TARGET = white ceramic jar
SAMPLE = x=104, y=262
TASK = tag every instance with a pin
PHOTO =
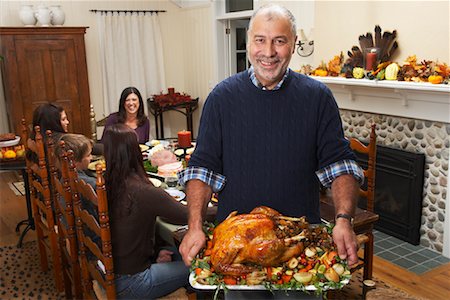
x=26, y=15
x=58, y=16
x=43, y=15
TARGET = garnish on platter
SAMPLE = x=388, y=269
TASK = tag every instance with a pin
x=266, y=250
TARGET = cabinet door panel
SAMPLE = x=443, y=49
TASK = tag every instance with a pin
x=49, y=76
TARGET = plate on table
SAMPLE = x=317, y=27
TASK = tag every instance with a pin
x=156, y=182
x=180, y=151
x=143, y=147
x=153, y=143
x=92, y=165
x=176, y=194
x=10, y=142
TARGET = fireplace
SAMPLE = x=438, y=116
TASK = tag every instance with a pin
x=398, y=192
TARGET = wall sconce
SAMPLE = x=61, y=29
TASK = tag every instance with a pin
x=305, y=46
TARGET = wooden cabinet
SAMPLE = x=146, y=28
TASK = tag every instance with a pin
x=45, y=64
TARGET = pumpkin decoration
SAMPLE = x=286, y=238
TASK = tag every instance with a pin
x=435, y=79
x=321, y=70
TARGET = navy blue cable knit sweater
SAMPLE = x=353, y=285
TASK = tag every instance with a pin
x=268, y=144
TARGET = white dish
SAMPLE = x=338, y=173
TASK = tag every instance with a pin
x=199, y=286
x=176, y=194
x=10, y=142
x=156, y=182
x=143, y=147
x=180, y=152
x=161, y=142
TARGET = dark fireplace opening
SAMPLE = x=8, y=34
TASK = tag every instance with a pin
x=398, y=192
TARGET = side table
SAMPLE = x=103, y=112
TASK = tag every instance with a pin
x=185, y=108
x=20, y=165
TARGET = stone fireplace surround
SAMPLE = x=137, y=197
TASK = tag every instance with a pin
x=414, y=117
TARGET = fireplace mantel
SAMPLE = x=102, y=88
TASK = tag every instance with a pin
x=423, y=101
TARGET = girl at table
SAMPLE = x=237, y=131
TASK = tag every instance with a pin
x=48, y=117
x=134, y=204
x=131, y=113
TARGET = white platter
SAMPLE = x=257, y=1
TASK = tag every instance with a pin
x=10, y=142
x=199, y=286
x=177, y=194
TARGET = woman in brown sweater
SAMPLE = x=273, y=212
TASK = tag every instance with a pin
x=134, y=204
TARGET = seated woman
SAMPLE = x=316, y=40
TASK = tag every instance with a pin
x=134, y=204
x=48, y=117
x=131, y=113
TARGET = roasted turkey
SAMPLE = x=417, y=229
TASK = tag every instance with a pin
x=263, y=237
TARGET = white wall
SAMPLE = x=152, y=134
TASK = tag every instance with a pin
x=422, y=26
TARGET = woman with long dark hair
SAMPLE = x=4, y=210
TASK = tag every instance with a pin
x=134, y=204
x=131, y=113
x=48, y=117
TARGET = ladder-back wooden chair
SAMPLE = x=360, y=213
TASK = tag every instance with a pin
x=65, y=219
x=364, y=217
x=41, y=203
x=94, y=235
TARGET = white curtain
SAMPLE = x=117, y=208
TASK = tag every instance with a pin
x=131, y=54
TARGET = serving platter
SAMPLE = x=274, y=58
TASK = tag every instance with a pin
x=10, y=142
x=193, y=282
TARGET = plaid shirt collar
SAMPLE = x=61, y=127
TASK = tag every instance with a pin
x=251, y=73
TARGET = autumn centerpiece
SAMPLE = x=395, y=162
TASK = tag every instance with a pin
x=171, y=98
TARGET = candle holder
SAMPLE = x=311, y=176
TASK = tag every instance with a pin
x=371, y=58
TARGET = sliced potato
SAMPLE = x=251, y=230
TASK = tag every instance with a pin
x=339, y=269
x=292, y=263
x=331, y=275
x=310, y=251
x=303, y=277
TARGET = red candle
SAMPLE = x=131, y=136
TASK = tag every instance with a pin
x=184, y=139
x=371, y=58
x=171, y=91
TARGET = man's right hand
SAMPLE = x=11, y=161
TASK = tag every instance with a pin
x=192, y=243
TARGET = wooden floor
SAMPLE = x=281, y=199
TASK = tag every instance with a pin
x=434, y=284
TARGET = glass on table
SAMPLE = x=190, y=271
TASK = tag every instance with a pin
x=171, y=181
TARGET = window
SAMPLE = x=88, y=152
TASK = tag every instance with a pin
x=238, y=46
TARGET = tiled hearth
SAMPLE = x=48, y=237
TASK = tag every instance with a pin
x=417, y=259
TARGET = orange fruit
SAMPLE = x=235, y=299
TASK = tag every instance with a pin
x=9, y=154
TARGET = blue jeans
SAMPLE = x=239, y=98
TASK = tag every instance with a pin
x=155, y=282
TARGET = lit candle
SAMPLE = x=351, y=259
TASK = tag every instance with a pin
x=171, y=91
x=371, y=58
x=184, y=139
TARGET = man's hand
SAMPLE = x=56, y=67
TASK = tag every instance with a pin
x=164, y=256
x=345, y=239
x=192, y=243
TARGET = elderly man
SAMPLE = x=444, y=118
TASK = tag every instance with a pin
x=267, y=136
